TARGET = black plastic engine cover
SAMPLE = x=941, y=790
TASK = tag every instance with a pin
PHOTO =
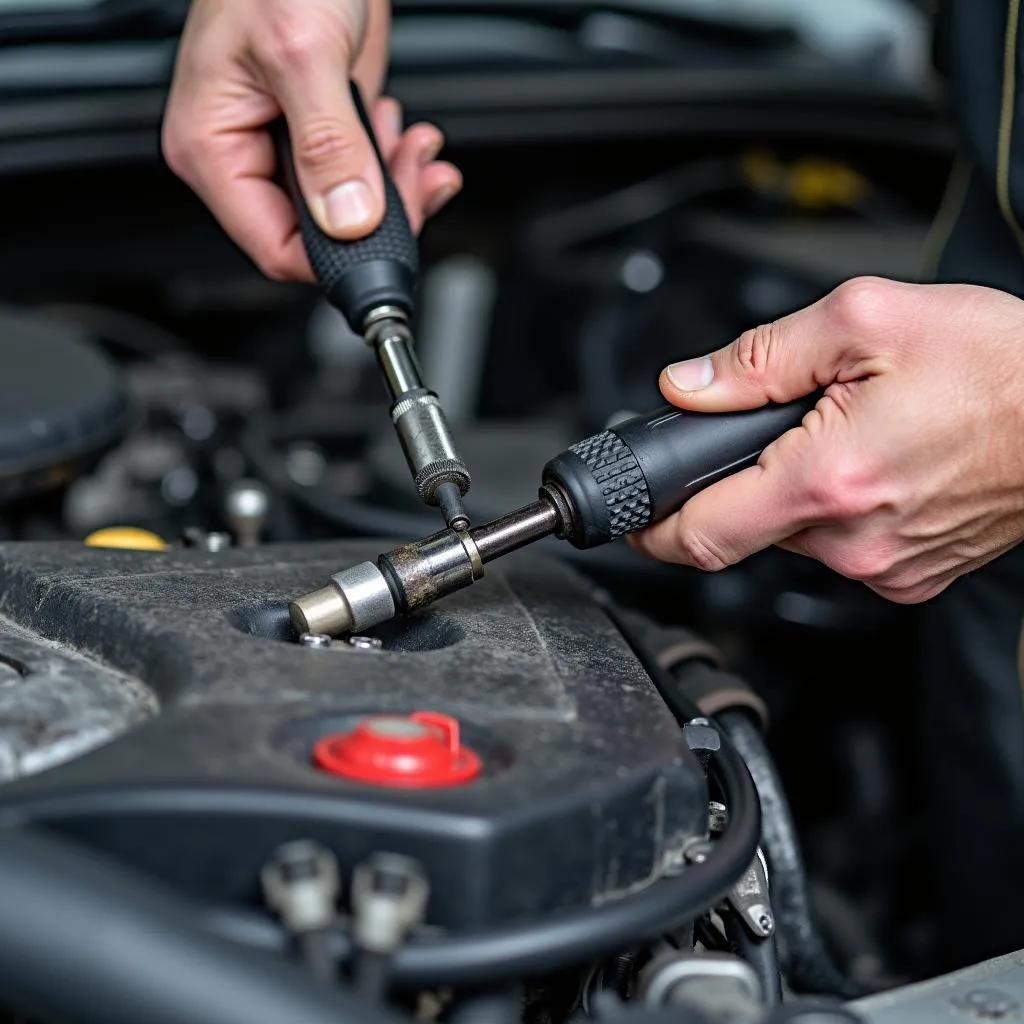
x=587, y=792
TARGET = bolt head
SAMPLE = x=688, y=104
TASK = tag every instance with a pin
x=365, y=643
x=247, y=499
x=315, y=640
x=987, y=1003
x=698, y=853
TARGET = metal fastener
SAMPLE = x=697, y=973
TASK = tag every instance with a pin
x=698, y=852
x=301, y=882
x=700, y=720
x=718, y=817
x=365, y=643
x=987, y=1003
x=317, y=640
x=212, y=542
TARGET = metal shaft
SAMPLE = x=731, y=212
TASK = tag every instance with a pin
x=516, y=530
x=440, y=475
x=415, y=575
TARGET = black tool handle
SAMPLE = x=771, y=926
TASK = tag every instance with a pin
x=358, y=277
x=644, y=469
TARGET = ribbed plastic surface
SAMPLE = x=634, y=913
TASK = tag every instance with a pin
x=620, y=479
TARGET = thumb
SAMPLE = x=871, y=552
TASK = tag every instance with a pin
x=780, y=361
x=337, y=167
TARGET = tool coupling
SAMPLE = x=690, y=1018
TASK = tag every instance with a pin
x=413, y=576
x=439, y=474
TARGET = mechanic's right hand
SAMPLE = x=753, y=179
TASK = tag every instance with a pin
x=910, y=471
x=241, y=64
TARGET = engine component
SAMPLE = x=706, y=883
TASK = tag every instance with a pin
x=600, y=489
x=62, y=404
x=372, y=282
x=586, y=793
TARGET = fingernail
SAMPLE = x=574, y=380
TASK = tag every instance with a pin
x=349, y=206
x=438, y=202
x=431, y=152
x=692, y=374
x=394, y=115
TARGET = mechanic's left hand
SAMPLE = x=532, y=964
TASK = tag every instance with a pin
x=910, y=470
x=242, y=64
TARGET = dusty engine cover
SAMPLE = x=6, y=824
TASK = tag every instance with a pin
x=143, y=716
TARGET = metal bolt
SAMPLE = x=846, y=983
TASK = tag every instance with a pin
x=389, y=897
x=365, y=643
x=718, y=817
x=987, y=1003
x=212, y=542
x=246, y=505
x=698, y=721
x=698, y=852
x=766, y=924
x=317, y=640
x=301, y=882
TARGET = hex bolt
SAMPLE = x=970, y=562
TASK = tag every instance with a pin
x=316, y=640
x=718, y=817
x=698, y=853
x=365, y=643
x=987, y=1004
x=301, y=883
x=212, y=542
x=389, y=898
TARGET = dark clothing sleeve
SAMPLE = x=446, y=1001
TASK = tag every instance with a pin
x=972, y=711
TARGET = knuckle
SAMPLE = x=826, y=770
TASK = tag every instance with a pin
x=864, y=564
x=909, y=593
x=176, y=148
x=324, y=143
x=698, y=551
x=755, y=351
x=292, y=41
x=862, y=305
x=275, y=267
x=843, y=491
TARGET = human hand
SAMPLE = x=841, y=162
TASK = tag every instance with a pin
x=910, y=470
x=241, y=64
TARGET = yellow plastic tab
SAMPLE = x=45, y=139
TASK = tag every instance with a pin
x=128, y=538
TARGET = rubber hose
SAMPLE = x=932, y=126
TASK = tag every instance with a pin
x=761, y=954
x=500, y=1007
x=515, y=951
x=806, y=960
x=85, y=940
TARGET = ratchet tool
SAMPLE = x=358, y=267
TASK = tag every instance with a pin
x=372, y=283
x=602, y=488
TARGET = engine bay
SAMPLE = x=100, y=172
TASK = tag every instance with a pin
x=592, y=785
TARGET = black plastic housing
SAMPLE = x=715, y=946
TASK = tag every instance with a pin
x=646, y=468
x=358, y=277
x=588, y=790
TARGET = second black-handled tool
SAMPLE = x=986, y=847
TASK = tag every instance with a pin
x=614, y=483
x=644, y=469
x=372, y=282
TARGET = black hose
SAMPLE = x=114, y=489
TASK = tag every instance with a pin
x=503, y=1006
x=761, y=954
x=806, y=960
x=514, y=951
x=84, y=940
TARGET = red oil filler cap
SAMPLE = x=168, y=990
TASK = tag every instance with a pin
x=418, y=751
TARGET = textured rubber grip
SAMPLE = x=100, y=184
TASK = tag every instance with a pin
x=646, y=468
x=620, y=480
x=358, y=277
